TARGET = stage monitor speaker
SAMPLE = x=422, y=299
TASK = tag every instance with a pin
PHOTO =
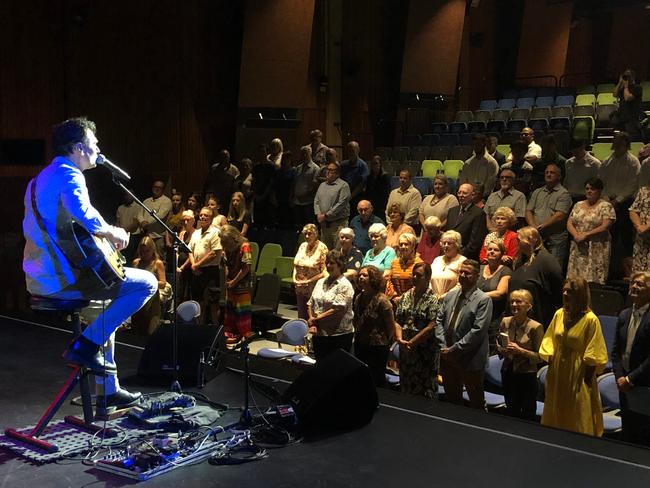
x=156, y=363
x=337, y=394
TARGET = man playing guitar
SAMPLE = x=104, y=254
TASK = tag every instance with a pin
x=57, y=196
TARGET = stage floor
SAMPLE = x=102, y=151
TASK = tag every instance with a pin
x=410, y=442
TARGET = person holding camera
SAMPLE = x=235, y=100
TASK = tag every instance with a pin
x=629, y=94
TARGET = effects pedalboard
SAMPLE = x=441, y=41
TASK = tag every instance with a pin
x=144, y=460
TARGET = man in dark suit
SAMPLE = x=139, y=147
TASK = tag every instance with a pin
x=631, y=358
x=462, y=336
x=468, y=220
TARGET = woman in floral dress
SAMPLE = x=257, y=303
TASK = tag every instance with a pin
x=640, y=217
x=589, y=225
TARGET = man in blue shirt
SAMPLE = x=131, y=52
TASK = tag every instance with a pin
x=55, y=197
x=361, y=223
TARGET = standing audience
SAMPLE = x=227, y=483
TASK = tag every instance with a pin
x=575, y=349
x=399, y=277
x=640, y=218
x=374, y=324
x=429, y=245
x=161, y=205
x=330, y=309
x=548, y=209
x=352, y=256
x=589, y=225
x=493, y=280
x=469, y=221
x=537, y=271
x=522, y=338
x=361, y=224
x=331, y=205
x=631, y=358
x=445, y=268
x=308, y=267
x=579, y=168
x=238, y=215
x=205, y=260
x=418, y=350
x=146, y=320
x=354, y=171
x=377, y=185
x=504, y=219
x=481, y=166
x=408, y=197
x=239, y=284
x=438, y=204
x=397, y=226
x=461, y=333
x=380, y=256
x=304, y=189
x=506, y=196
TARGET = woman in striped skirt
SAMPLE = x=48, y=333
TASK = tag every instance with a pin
x=237, y=320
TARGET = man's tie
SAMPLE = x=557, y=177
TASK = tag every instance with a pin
x=452, y=321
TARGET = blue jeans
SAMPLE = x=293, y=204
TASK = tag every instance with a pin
x=126, y=298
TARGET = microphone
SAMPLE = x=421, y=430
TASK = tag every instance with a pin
x=113, y=168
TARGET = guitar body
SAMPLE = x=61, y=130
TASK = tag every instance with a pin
x=98, y=255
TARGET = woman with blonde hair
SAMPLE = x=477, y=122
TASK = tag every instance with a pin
x=239, y=283
x=397, y=226
x=444, y=269
x=146, y=320
x=518, y=344
x=399, y=277
x=493, y=280
x=184, y=266
x=308, y=267
x=575, y=349
x=238, y=215
x=537, y=271
x=276, y=148
x=504, y=219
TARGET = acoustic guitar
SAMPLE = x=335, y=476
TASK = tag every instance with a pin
x=97, y=254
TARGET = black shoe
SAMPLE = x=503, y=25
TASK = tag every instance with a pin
x=85, y=353
x=117, y=401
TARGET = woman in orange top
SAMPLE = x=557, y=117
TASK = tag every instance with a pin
x=399, y=277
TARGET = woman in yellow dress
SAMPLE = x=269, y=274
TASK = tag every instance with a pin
x=575, y=350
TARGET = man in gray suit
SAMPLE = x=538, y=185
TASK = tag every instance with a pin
x=461, y=334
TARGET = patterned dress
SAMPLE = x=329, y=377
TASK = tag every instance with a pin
x=641, y=252
x=590, y=258
x=237, y=319
x=418, y=367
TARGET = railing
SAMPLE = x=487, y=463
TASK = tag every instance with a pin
x=543, y=80
x=583, y=78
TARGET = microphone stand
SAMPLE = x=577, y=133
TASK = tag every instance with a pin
x=177, y=244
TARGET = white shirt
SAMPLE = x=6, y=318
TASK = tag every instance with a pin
x=620, y=176
x=480, y=168
x=61, y=195
x=578, y=171
x=534, y=149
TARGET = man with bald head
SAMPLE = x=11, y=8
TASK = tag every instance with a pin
x=469, y=221
x=361, y=223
